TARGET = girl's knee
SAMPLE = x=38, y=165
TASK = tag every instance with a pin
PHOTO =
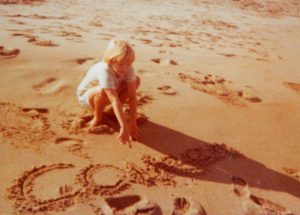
x=97, y=97
x=100, y=95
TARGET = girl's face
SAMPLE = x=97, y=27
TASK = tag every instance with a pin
x=121, y=68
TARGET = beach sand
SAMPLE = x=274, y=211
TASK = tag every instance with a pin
x=219, y=108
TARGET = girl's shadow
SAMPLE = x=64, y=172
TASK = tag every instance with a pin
x=221, y=161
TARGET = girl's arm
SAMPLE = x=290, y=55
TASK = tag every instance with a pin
x=131, y=90
x=124, y=133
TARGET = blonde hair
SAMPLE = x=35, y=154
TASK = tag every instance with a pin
x=119, y=51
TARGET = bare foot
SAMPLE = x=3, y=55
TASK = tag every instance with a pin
x=94, y=122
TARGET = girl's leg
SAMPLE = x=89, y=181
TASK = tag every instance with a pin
x=98, y=100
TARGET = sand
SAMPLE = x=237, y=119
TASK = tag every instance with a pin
x=219, y=108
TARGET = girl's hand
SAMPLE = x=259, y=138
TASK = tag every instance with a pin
x=134, y=132
x=124, y=136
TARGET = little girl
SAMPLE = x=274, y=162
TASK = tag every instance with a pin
x=113, y=81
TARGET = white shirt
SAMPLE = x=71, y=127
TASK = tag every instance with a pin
x=102, y=75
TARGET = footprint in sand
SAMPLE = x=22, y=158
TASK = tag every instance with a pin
x=164, y=61
x=165, y=52
x=8, y=53
x=131, y=204
x=101, y=129
x=75, y=146
x=35, y=109
x=68, y=141
x=167, y=90
x=128, y=204
x=262, y=55
x=50, y=85
x=145, y=41
x=96, y=23
x=16, y=22
x=143, y=98
x=293, y=86
x=83, y=60
x=73, y=36
x=73, y=126
x=292, y=172
x=219, y=88
x=253, y=204
x=107, y=36
x=81, y=124
x=206, y=155
x=227, y=55
x=24, y=125
x=150, y=73
x=28, y=2
x=184, y=207
x=42, y=42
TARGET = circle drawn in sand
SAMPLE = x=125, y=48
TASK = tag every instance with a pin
x=87, y=181
x=26, y=202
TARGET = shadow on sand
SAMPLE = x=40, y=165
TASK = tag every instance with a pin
x=219, y=162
